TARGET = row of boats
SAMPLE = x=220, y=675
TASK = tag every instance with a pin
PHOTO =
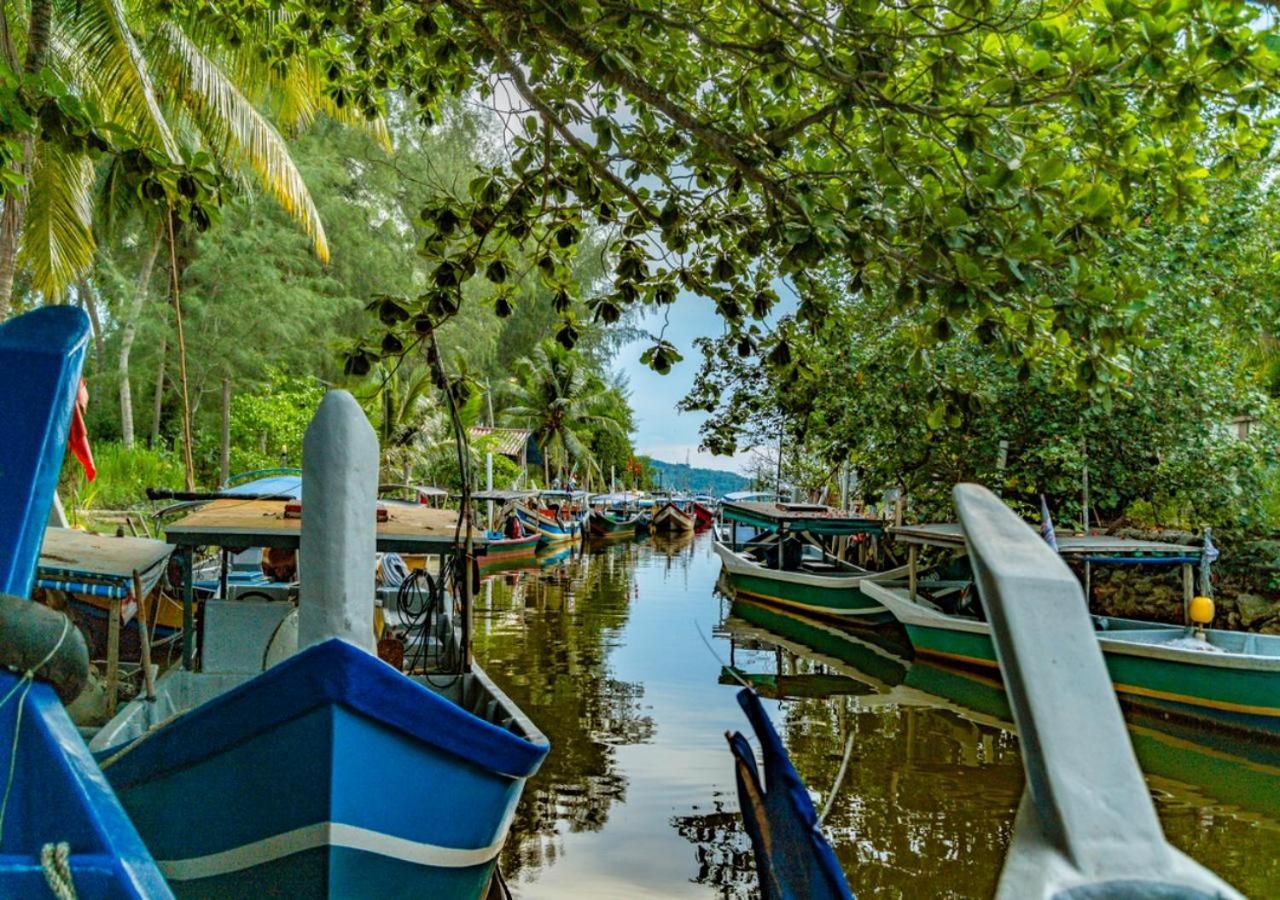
x=861, y=571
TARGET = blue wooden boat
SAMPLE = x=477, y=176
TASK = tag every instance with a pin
x=793, y=858
x=330, y=773
x=559, y=518
x=61, y=822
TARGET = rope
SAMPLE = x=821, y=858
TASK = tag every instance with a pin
x=55, y=861
x=28, y=678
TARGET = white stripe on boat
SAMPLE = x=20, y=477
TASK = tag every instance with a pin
x=326, y=834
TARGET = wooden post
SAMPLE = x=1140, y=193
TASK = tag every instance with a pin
x=144, y=638
x=913, y=555
x=113, y=656
x=188, y=611
x=1088, y=582
x=1188, y=591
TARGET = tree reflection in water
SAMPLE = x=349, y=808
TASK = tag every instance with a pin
x=546, y=637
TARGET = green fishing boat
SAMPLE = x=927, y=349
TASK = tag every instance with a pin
x=798, y=557
x=1222, y=679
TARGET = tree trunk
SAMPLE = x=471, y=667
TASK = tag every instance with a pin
x=127, y=335
x=157, y=400
x=15, y=203
x=90, y=304
x=176, y=297
x=224, y=466
x=546, y=471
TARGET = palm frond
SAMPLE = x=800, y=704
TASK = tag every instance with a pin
x=234, y=128
x=93, y=40
x=57, y=238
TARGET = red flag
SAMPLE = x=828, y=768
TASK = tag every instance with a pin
x=78, y=440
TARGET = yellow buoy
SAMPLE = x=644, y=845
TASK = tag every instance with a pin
x=1201, y=610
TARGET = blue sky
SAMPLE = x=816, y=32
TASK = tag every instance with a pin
x=662, y=432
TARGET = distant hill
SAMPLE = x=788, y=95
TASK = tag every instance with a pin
x=682, y=477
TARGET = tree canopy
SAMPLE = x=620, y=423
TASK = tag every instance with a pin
x=979, y=161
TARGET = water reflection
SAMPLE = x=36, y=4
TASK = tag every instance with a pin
x=607, y=651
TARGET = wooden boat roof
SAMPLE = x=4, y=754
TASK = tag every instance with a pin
x=261, y=523
x=68, y=554
x=499, y=496
x=949, y=534
x=810, y=517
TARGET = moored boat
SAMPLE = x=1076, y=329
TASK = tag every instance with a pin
x=704, y=515
x=791, y=568
x=606, y=524
x=1220, y=678
x=63, y=827
x=558, y=517
x=251, y=774
x=673, y=516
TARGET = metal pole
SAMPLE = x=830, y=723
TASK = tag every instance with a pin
x=488, y=483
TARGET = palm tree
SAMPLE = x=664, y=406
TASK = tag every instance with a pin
x=558, y=396
x=178, y=86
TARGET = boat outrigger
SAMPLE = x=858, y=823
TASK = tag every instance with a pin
x=250, y=772
x=787, y=563
x=63, y=828
x=1223, y=679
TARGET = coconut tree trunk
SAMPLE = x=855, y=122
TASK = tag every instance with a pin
x=157, y=399
x=15, y=203
x=90, y=304
x=127, y=334
x=176, y=298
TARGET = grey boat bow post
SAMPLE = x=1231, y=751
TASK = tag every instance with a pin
x=1087, y=826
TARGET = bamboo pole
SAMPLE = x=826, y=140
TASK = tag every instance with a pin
x=144, y=637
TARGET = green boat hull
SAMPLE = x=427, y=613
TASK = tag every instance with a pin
x=849, y=604
x=1238, y=699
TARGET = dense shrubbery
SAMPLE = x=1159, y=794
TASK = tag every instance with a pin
x=123, y=476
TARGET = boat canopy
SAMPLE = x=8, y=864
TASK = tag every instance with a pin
x=262, y=523
x=742, y=496
x=810, y=517
x=421, y=490
x=499, y=496
x=282, y=485
x=81, y=562
x=1096, y=548
x=563, y=495
x=620, y=497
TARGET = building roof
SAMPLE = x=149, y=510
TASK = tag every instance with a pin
x=506, y=441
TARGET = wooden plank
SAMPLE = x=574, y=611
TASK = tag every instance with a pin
x=113, y=656
x=262, y=523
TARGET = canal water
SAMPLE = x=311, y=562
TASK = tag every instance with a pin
x=629, y=659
